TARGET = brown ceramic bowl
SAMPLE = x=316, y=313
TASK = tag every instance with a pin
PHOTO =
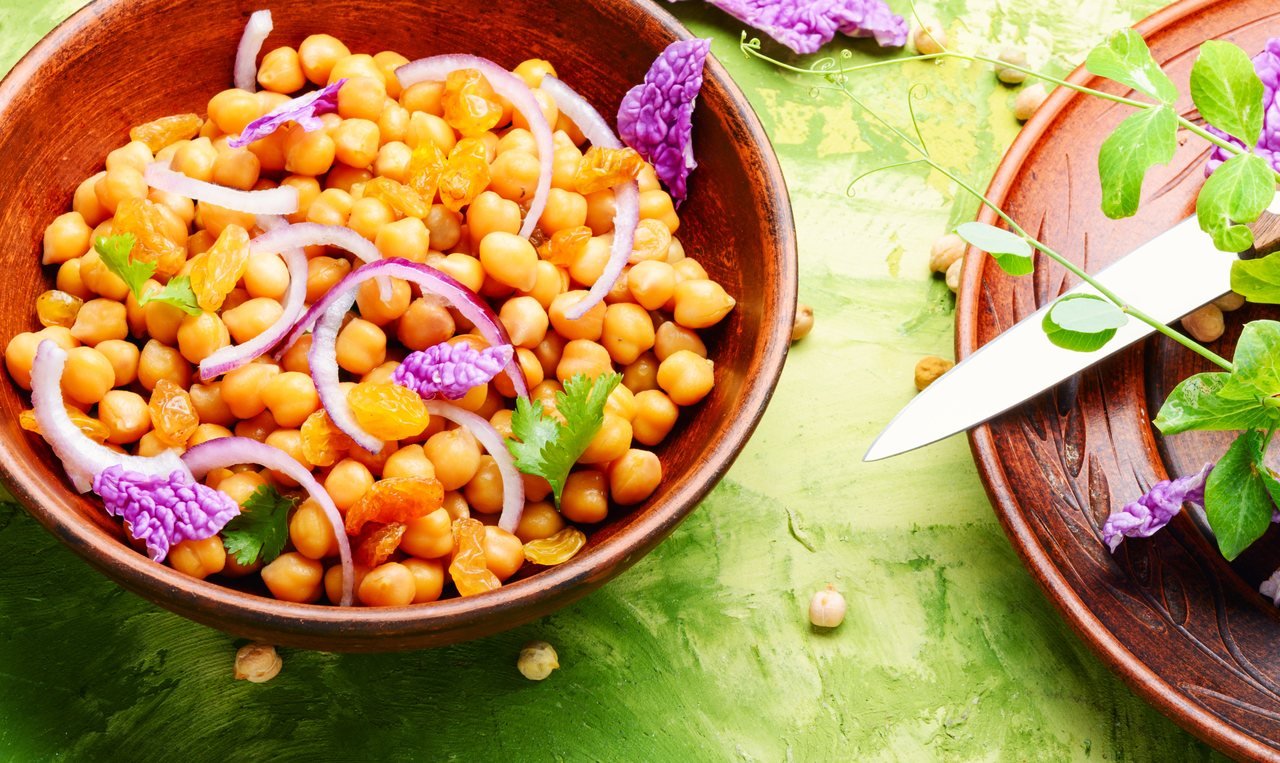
x=121, y=62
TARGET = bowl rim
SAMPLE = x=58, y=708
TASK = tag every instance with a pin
x=238, y=610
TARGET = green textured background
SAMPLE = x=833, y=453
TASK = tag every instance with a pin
x=702, y=651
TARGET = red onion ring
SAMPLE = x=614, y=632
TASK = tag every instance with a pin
x=255, y=33
x=496, y=445
x=323, y=360
x=81, y=457
x=230, y=451
x=511, y=87
x=471, y=305
x=272, y=201
x=626, y=215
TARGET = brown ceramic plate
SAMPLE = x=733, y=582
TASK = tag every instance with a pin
x=117, y=63
x=1187, y=630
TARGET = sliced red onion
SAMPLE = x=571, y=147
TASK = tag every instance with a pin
x=626, y=215
x=511, y=87
x=228, y=359
x=323, y=360
x=496, y=445
x=302, y=235
x=230, y=451
x=82, y=458
x=432, y=282
x=255, y=33
x=272, y=201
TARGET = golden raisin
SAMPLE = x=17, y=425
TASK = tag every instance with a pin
x=426, y=163
x=602, y=168
x=92, y=428
x=388, y=411
x=57, y=308
x=469, y=569
x=566, y=246
x=146, y=222
x=395, y=499
x=469, y=103
x=322, y=442
x=652, y=241
x=465, y=175
x=173, y=415
x=378, y=544
x=216, y=272
x=401, y=198
x=555, y=549
x=166, y=131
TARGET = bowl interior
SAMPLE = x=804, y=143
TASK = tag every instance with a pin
x=118, y=63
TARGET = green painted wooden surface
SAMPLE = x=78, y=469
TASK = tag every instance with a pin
x=702, y=651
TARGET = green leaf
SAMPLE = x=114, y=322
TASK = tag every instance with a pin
x=1010, y=251
x=260, y=530
x=549, y=448
x=1257, y=280
x=177, y=293
x=1257, y=363
x=114, y=251
x=1143, y=140
x=1237, y=496
x=1083, y=322
x=1125, y=58
x=1237, y=192
x=1227, y=91
x=1195, y=405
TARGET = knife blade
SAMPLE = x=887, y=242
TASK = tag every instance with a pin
x=1021, y=362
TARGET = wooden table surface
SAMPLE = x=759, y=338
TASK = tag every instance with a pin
x=703, y=650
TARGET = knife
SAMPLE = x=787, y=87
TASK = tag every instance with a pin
x=1022, y=362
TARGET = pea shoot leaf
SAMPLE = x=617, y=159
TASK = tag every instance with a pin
x=1257, y=280
x=261, y=529
x=549, y=448
x=1257, y=363
x=1143, y=140
x=1195, y=405
x=1237, y=495
x=1237, y=192
x=1227, y=91
x=1010, y=251
x=1125, y=58
x=115, y=253
x=1083, y=322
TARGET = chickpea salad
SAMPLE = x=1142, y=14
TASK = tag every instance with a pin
x=376, y=331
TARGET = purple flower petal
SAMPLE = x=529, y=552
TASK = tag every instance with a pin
x=1143, y=517
x=1270, y=588
x=163, y=511
x=1267, y=64
x=807, y=25
x=656, y=117
x=451, y=370
x=305, y=110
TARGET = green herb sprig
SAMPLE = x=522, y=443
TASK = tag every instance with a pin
x=115, y=253
x=261, y=529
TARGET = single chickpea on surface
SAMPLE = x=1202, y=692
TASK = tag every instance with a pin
x=537, y=660
x=945, y=251
x=827, y=607
x=1205, y=324
x=954, y=271
x=929, y=369
x=804, y=322
x=930, y=39
x=1010, y=75
x=257, y=663
x=1029, y=101
x=1229, y=302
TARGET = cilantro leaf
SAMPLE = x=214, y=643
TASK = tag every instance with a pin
x=1238, y=494
x=261, y=529
x=1237, y=192
x=549, y=448
x=1125, y=58
x=1082, y=322
x=1257, y=363
x=1195, y=405
x=177, y=293
x=1227, y=91
x=115, y=254
x=1143, y=140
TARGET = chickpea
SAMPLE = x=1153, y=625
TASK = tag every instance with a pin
x=515, y=176
x=199, y=336
x=199, y=558
x=180, y=206
x=123, y=357
x=503, y=552
x=281, y=71
x=237, y=168
x=347, y=482
x=953, y=276
x=243, y=388
x=291, y=397
x=150, y=444
x=393, y=156
x=634, y=476
x=294, y=577
x=70, y=281
x=209, y=405
x=564, y=172
x=1227, y=303
x=85, y=203
x=627, y=332
x=426, y=322
x=88, y=375
x=803, y=324
x=378, y=311
x=388, y=585
x=490, y=213
x=686, y=377
x=946, y=250
x=583, y=356
x=621, y=402
x=311, y=532
x=257, y=427
x=539, y=520
x=119, y=184
x=355, y=65
x=484, y=491
x=655, y=417
x=135, y=154
x=266, y=276
x=333, y=581
x=701, y=303
x=610, y=442
x=652, y=283
x=407, y=238
x=362, y=98
x=428, y=579
x=589, y=326
x=509, y=259
x=657, y=205
x=206, y=432
x=318, y=53
x=99, y=320
x=537, y=660
x=1029, y=101
x=430, y=536
x=99, y=279
x=455, y=455
x=323, y=273
x=528, y=364
x=251, y=318
x=308, y=189
x=361, y=346
x=374, y=461
x=232, y=110
x=517, y=139
x=290, y=441
x=387, y=62
x=368, y=215
x=425, y=97
x=65, y=238
x=215, y=219
x=525, y=320
x=125, y=415
x=1205, y=324
x=241, y=485
x=310, y=153
x=565, y=209
x=19, y=354
x=552, y=281
x=549, y=351
x=671, y=338
x=409, y=461
x=356, y=142
x=464, y=268
x=195, y=160
x=586, y=497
